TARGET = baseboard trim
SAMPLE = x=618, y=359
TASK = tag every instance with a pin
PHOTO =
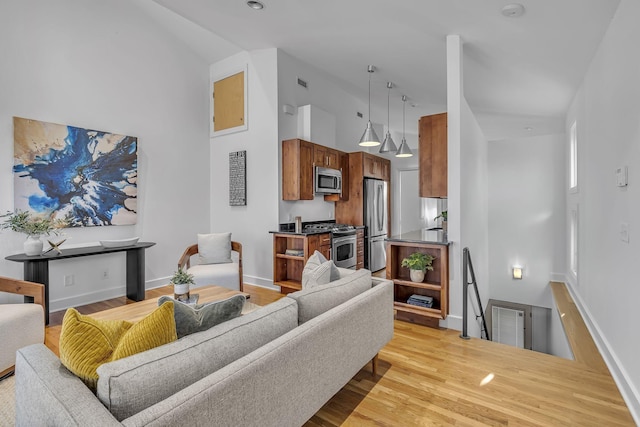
x=259, y=281
x=86, y=298
x=119, y=291
x=629, y=393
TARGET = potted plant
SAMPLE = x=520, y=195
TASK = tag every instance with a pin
x=33, y=227
x=443, y=215
x=181, y=282
x=418, y=263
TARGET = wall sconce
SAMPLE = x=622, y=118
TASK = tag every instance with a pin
x=516, y=271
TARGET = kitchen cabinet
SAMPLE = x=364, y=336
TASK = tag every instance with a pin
x=297, y=170
x=362, y=165
x=326, y=157
x=287, y=267
x=432, y=147
x=320, y=243
x=376, y=167
x=434, y=285
x=359, y=248
x=299, y=157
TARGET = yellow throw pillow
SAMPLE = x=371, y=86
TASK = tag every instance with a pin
x=86, y=343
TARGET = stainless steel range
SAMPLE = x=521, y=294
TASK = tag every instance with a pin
x=343, y=242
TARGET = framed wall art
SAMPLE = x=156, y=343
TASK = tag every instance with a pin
x=85, y=176
x=238, y=178
x=229, y=102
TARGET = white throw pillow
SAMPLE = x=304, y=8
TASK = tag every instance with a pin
x=318, y=271
x=214, y=248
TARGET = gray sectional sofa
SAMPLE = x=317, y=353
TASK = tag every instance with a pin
x=276, y=366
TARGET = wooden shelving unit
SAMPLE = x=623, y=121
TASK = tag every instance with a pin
x=287, y=269
x=435, y=284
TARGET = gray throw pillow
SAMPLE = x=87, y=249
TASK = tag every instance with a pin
x=318, y=271
x=200, y=317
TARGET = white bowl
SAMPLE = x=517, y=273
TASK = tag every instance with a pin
x=119, y=243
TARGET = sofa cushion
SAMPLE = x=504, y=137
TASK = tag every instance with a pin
x=86, y=343
x=225, y=275
x=200, y=317
x=316, y=300
x=214, y=248
x=130, y=385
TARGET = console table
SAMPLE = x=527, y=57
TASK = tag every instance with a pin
x=36, y=268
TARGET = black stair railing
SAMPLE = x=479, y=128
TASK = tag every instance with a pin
x=467, y=268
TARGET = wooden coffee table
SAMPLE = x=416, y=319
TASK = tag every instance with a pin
x=135, y=311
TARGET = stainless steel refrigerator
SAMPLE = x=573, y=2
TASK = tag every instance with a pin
x=375, y=220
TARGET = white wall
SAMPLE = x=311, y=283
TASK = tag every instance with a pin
x=467, y=191
x=250, y=224
x=607, y=108
x=108, y=66
x=526, y=200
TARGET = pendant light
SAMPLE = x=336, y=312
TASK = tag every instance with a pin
x=404, y=150
x=369, y=137
x=388, y=145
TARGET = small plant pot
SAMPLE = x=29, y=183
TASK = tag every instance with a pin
x=444, y=226
x=33, y=246
x=181, y=291
x=416, y=275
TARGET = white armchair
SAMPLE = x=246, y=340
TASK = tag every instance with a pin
x=20, y=324
x=228, y=275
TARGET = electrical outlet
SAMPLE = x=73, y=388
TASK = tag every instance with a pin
x=105, y=274
x=624, y=232
x=68, y=280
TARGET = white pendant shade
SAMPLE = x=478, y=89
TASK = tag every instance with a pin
x=369, y=137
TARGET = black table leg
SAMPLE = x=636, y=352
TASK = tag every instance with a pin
x=38, y=271
x=135, y=274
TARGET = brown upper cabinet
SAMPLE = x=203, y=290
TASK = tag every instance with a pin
x=376, y=167
x=326, y=157
x=297, y=169
x=299, y=157
x=432, y=140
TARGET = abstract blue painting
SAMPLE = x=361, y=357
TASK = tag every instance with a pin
x=87, y=177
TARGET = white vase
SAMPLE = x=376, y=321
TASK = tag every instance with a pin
x=181, y=291
x=416, y=275
x=33, y=245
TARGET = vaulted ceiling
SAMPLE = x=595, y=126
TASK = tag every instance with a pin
x=519, y=72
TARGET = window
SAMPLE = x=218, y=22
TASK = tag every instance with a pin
x=573, y=243
x=573, y=156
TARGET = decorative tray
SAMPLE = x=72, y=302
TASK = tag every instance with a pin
x=119, y=243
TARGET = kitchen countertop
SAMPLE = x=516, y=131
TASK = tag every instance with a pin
x=435, y=237
x=305, y=233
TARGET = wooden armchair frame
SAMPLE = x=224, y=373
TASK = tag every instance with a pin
x=21, y=287
x=185, y=259
x=28, y=289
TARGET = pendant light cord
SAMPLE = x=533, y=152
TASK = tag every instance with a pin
x=370, y=95
x=404, y=103
x=388, y=104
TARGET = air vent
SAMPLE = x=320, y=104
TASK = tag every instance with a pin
x=302, y=83
x=359, y=114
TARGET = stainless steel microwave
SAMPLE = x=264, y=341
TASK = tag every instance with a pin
x=328, y=181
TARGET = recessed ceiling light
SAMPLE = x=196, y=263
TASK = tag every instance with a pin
x=528, y=128
x=513, y=10
x=255, y=5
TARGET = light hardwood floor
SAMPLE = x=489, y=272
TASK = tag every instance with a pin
x=432, y=377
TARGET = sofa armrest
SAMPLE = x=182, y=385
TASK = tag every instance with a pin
x=48, y=394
